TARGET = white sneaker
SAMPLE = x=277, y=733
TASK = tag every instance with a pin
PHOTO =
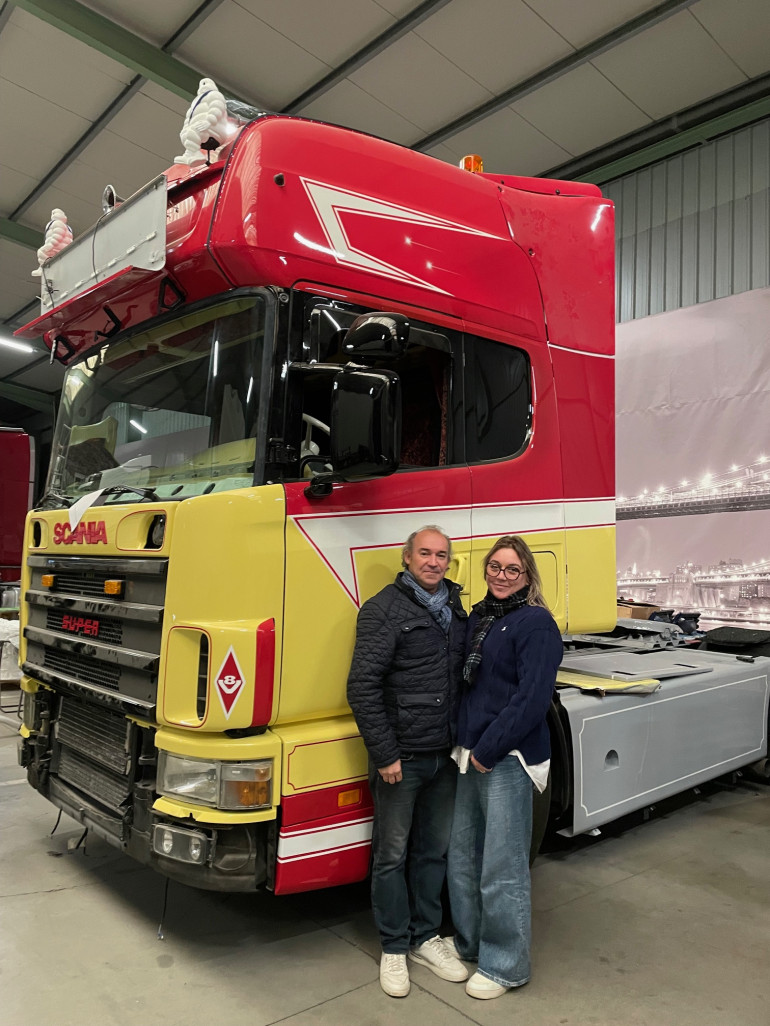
x=394, y=975
x=436, y=956
x=482, y=987
x=451, y=945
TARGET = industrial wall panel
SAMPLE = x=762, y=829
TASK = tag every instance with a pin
x=694, y=227
x=760, y=206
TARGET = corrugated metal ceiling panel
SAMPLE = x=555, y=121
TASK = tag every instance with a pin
x=462, y=54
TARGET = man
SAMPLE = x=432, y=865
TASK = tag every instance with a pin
x=403, y=689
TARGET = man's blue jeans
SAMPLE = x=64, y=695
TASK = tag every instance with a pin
x=488, y=872
x=412, y=823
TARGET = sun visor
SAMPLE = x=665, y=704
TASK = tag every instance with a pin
x=127, y=244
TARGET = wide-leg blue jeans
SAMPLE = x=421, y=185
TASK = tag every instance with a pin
x=488, y=870
x=410, y=837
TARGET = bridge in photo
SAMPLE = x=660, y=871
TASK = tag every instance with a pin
x=743, y=487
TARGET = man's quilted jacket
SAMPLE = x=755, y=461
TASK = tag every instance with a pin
x=404, y=680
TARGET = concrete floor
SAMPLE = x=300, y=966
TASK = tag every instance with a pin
x=663, y=923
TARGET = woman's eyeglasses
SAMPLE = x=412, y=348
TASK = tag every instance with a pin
x=512, y=573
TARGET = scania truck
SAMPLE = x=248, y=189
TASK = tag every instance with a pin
x=282, y=359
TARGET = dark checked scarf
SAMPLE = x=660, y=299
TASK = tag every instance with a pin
x=488, y=610
x=437, y=603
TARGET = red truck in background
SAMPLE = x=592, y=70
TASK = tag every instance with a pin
x=17, y=477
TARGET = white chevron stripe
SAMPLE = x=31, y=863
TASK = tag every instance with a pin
x=338, y=536
x=331, y=203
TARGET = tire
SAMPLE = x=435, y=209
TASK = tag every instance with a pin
x=541, y=807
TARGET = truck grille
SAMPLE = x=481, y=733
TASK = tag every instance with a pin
x=81, y=584
x=110, y=630
x=96, y=730
x=78, y=638
x=93, y=780
x=93, y=751
x=89, y=671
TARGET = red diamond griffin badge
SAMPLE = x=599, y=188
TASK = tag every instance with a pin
x=230, y=682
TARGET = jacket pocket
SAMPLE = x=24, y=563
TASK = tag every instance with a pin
x=427, y=698
x=423, y=720
x=415, y=625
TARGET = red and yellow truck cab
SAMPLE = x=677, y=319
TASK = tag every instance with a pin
x=280, y=363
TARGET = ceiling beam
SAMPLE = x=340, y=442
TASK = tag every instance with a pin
x=37, y=359
x=195, y=20
x=20, y=316
x=385, y=39
x=78, y=147
x=115, y=42
x=18, y=233
x=31, y=397
x=6, y=10
x=574, y=60
x=699, y=124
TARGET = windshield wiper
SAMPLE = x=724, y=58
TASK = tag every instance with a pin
x=146, y=493
x=51, y=500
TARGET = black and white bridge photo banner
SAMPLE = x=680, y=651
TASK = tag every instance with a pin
x=693, y=460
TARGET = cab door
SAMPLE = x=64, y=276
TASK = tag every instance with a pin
x=343, y=548
x=512, y=447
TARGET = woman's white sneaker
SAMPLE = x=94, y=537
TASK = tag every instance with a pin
x=482, y=987
x=436, y=956
x=394, y=975
x=451, y=945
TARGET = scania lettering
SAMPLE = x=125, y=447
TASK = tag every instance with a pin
x=283, y=357
x=89, y=534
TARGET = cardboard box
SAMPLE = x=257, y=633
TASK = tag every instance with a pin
x=636, y=610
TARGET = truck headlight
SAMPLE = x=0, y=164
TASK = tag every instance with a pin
x=180, y=843
x=222, y=785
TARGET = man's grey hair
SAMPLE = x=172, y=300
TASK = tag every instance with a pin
x=409, y=543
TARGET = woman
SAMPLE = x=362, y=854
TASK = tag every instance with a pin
x=514, y=650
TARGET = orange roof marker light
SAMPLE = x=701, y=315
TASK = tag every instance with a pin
x=472, y=162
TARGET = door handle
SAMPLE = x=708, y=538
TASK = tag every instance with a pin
x=460, y=576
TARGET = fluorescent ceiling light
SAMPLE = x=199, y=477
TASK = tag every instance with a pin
x=11, y=343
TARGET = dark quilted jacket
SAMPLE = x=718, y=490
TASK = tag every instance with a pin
x=404, y=680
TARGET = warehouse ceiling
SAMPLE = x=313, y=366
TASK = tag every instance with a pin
x=95, y=93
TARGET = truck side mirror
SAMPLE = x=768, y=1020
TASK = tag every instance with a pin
x=365, y=423
x=365, y=430
x=377, y=336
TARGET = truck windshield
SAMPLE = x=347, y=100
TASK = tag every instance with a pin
x=170, y=411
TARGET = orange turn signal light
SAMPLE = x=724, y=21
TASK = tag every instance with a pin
x=113, y=588
x=48, y=580
x=352, y=797
x=472, y=162
x=247, y=794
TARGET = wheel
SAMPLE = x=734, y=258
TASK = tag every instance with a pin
x=541, y=807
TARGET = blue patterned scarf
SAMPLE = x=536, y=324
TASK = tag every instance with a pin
x=437, y=603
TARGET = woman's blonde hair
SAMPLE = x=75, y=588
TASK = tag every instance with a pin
x=524, y=552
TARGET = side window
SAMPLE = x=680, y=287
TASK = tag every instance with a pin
x=498, y=400
x=430, y=385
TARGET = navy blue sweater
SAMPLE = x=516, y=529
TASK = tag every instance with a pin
x=506, y=707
